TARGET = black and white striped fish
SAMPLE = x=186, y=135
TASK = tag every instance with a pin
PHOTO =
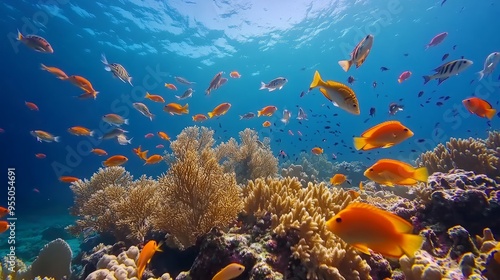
x=448, y=69
x=117, y=69
x=277, y=83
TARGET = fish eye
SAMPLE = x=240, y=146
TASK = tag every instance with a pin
x=406, y=129
x=468, y=100
x=338, y=220
x=354, y=105
x=371, y=170
x=239, y=268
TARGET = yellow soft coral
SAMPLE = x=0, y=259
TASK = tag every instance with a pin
x=196, y=193
x=303, y=211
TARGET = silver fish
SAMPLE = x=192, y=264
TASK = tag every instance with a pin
x=183, y=81
x=122, y=139
x=143, y=109
x=187, y=94
x=286, y=116
x=113, y=133
x=301, y=115
x=489, y=65
x=448, y=69
x=247, y=116
x=117, y=69
x=277, y=83
x=214, y=84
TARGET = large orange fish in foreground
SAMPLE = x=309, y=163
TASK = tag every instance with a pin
x=231, y=271
x=145, y=256
x=359, y=54
x=479, y=107
x=383, y=135
x=365, y=226
x=220, y=110
x=392, y=172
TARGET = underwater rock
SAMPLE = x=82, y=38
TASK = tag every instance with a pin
x=54, y=261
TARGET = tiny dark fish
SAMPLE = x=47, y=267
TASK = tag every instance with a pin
x=406, y=54
x=471, y=82
x=384, y=69
x=488, y=123
x=302, y=93
x=447, y=97
x=335, y=114
x=374, y=84
x=498, y=114
x=442, y=3
x=365, y=121
x=454, y=47
x=394, y=108
x=420, y=140
x=420, y=93
x=372, y=112
x=439, y=103
x=445, y=56
x=327, y=127
x=351, y=80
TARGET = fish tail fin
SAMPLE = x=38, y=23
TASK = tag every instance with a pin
x=130, y=140
x=92, y=133
x=421, y=174
x=147, y=94
x=259, y=113
x=103, y=164
x=426, y=79
x=178, y=97
x=241, y=117
x=130, y=81
x=480, y=75
x=43, y=67
x=262, y=86
x=185, y=108
x=410, y=243
x=57, y=138
x=103, y=59
x=345, y=64
x=19, y=35
x=490, y=113
x=317, y=81
x=125, y=121
x=151, y=117
x=400, y=81
x=210, y=114
x=359, y=143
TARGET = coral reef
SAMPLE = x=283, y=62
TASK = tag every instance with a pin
x=480, y=156
x=299, y=214
x=111, y=202
x=297, y=171
x=197, y=193
x=251, y=159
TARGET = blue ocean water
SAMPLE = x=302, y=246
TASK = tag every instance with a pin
x=262, y=40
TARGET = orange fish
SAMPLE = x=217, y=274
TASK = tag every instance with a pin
x=364, y=227
x=82, y=83
x=32, y=106
x=56, y=71
x=87, y=95
x=3, y=211
x=220, y=110
x=4, y=226
x=354, y=194
x=141, y=154
x=163, y=135
x=267, y=111
x=115, y=161
x=80, y=131
x=155, y=98
x=391, y=172
x=176, y=109
x=479, y=107
x=99, y=152
x=317, y=150
x=266, y=124
x=235, y=75
x=361, y=187
x=153, y=159
x=383, y=135
x=231, y=271
x=145, y=256
x=171, y=86
x=44, y=136
x=40, y=156
x=199, y=118
x=68, y=179
x=404, y=76
x=338, y=179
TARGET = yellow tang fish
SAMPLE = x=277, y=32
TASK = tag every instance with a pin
x=339, y=94
x=365, y=226
x=393, y=172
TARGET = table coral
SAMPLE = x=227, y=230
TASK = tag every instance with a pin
x=480, y=156
x=196, y=192
x=250, y=159
x=300, y=213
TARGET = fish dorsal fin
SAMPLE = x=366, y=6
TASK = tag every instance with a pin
x=442, y=66
x=489, y=104
x=400, y=224
x=368, y=133
x=392, y=161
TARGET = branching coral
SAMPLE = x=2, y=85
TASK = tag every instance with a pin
x=302, y=212
x=197, y=193
x=297, y=172
x=251, y=159
x=480, y=156
x=112, y=203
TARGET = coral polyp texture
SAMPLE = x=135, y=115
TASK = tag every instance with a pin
x=300, y=214
x=196, y=192
x=478, y=155
x=250, y=159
